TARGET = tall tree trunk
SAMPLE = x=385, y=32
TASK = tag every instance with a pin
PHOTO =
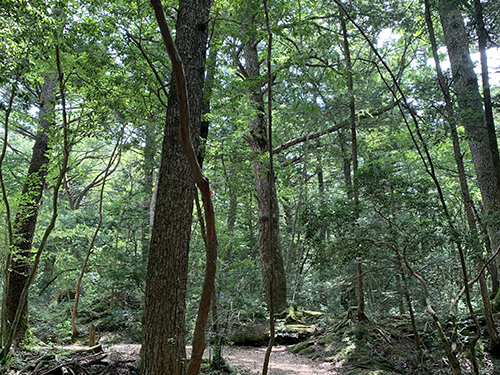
x=493, y=335
x=488, y=107
x=266, y=188
x=9, y=237
x=488, y=110
x=26, y=217
x=354, y=153
x=163, y=341
x=470, y=108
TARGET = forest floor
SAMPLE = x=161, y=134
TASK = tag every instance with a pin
x=249, y=360
x=123, y=359
x=350, y=349
x=118, y=359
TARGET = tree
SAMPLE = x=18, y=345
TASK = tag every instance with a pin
x=451, y=118
x=163, y=341
x=270, y=249
x=470, y=109
x=26, y=217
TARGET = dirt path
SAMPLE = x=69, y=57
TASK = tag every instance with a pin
x=248, y=360
x=282, y=362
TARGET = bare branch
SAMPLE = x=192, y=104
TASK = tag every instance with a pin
x=332, y=129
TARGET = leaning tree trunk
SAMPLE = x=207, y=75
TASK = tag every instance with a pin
x=271, y=258
x=163, y=341
x=470, y=107
x=27, y=214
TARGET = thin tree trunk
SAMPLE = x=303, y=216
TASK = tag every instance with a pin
x=346, y=164
x=9, y=234
x=408, y=302
x=270, y=305
x=354, y=153
x=107, y=172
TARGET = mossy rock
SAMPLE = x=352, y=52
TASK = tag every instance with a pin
x=250, y=334
x=302, y=317
x=301, y=346
x=307, y=351
x=292, y=333
x=301, y=329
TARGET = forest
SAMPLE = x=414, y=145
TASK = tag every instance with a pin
x=318, y=177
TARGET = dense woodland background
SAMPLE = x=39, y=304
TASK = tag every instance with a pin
x=385, y=178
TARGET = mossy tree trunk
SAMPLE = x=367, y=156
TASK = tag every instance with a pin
x=27, y=214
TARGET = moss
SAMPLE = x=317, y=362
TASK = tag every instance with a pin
x=307, y=351
x=299, y=328
x=301, y=346
x=327, y=340
x=359, y=331
x=294, y=316
x=394, y=351
x=360, y=356
x=345, y=351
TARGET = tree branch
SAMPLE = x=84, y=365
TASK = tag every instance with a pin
x=332, y=129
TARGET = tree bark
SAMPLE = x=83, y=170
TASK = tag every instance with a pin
x=493, y=335
x=470, y=108
x=488, y=106
x=266, y=189
x=148, y=168
x=27, y=214
x=163, y=342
